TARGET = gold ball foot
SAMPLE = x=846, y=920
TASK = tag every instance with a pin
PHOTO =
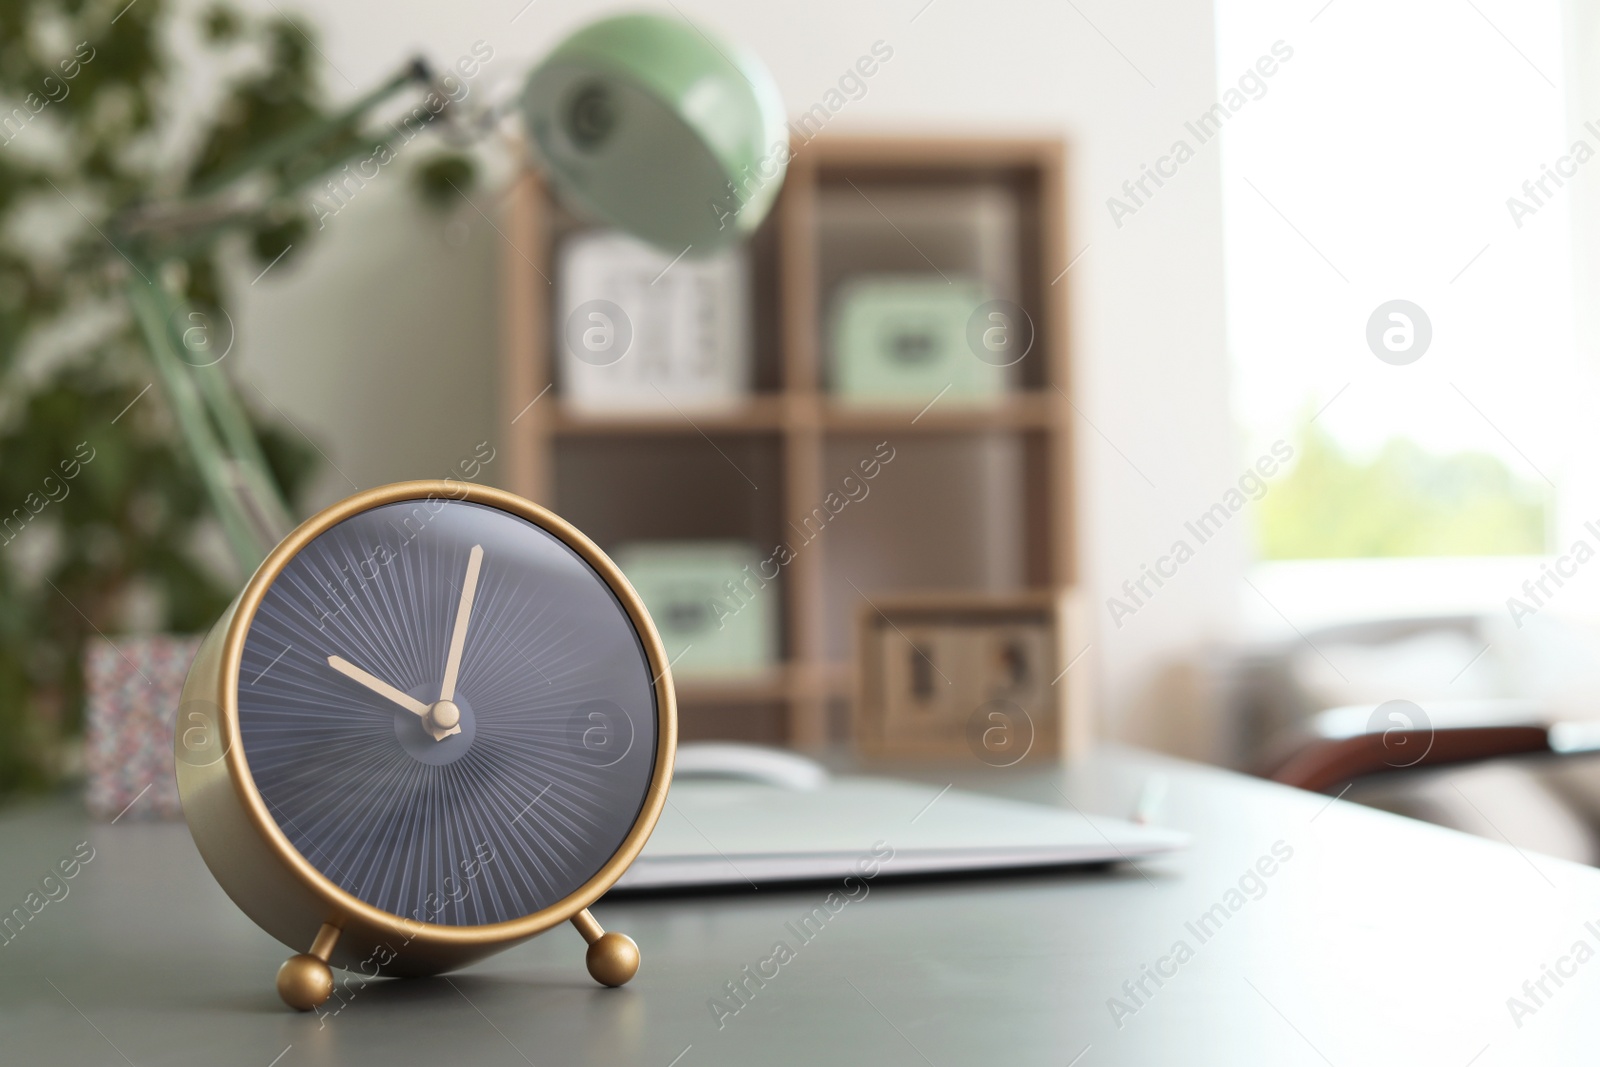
x=305, y=981
x=612, y=959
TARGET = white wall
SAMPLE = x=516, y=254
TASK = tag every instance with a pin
x=381, y=342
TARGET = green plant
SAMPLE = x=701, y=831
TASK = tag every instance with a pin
x=91, y=122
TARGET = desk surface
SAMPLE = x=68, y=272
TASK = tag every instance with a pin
x=1376, y=941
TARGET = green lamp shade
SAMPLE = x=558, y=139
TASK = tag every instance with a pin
x=647, y=123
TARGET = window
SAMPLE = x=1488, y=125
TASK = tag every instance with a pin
x=1399, y=274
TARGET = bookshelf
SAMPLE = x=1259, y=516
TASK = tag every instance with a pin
x=981, y=502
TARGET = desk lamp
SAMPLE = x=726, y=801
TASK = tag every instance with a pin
x=641, y=121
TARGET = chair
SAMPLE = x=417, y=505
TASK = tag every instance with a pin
x=1507, y=762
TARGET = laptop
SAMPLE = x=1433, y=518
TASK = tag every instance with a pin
x=718, y=831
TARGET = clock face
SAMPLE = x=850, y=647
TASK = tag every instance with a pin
x=447, y=711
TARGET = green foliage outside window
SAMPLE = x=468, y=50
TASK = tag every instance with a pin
x=1403, y=501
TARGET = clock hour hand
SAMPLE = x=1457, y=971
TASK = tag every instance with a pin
x=389, y=692
x=458, y=639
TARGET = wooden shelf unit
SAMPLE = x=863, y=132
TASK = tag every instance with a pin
x=788, y=424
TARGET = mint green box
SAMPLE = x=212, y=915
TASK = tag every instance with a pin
x=716, y=613
x=903, y=338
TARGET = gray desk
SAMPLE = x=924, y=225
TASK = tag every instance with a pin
x=1379, y=941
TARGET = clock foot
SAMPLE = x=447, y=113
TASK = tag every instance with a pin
x=612, y=958
x=305, y=980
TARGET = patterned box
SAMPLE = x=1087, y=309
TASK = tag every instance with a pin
x=134, y=686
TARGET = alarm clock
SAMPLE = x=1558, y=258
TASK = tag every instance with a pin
x=437, y=722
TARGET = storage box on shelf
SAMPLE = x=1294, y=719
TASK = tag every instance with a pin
x=643, y=330
x=714, y=604
x=846, y=498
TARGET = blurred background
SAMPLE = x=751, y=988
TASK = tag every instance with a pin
x=1300, y=425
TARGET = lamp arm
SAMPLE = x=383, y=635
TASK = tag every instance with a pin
x=213, y=424
x=179, y=227
x=287, y=145
x=240, y=487
x=183, y=228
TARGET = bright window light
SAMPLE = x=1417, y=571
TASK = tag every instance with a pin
x=1398, y=189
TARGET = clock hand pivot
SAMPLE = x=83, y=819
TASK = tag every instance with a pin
x=430, y=720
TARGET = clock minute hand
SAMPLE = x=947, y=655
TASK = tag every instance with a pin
x=378, y=685
x=458, y=639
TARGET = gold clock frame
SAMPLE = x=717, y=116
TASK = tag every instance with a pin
x=278, y=888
